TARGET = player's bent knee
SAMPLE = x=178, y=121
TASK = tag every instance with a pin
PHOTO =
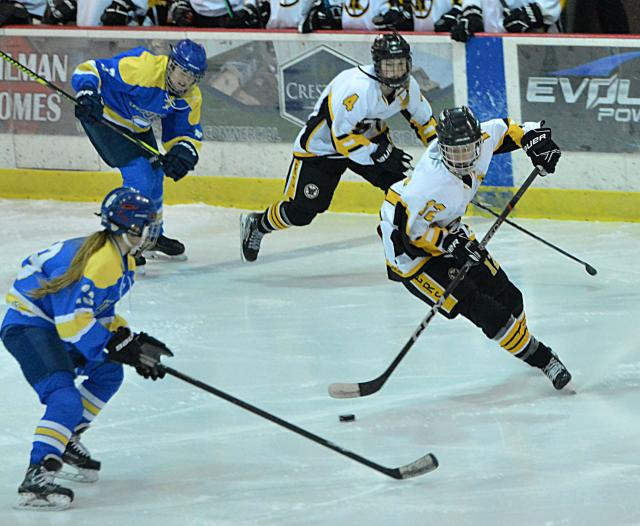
x=297, y=215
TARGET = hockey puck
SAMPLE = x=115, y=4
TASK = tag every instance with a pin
x=347, y=418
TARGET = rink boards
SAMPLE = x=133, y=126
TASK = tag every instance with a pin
x=261, y=86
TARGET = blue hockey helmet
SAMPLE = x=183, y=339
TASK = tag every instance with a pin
x=186, y=66
x=127, y=212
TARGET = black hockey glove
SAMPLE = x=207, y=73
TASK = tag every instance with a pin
x=251, y=16
x=469, y=23
x=523, y=19
x=541, y=149
x=463, y=249
x=391, y=158
x=119, y=13
x=179, y=160
x=60, y=12
x=89, y=105
x=322, y=15
x=398, y=17
x=180, y=13
x=14, y=13
x=138, y=350
x=446, y=22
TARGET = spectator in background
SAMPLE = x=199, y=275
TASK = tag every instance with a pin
x=505, y=16
x=13, y=12
x=600, y=16
x=231, y=14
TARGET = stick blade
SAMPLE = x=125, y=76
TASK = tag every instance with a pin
x=418, y=467
x=340, y=390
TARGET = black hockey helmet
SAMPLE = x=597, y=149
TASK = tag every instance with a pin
x=390, y=46
x=459, y=138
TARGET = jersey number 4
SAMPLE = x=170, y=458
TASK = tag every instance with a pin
x=350, y=101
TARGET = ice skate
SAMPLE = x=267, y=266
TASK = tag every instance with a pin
x=167, y=248
x=78, y=464
x=38, y=491
x=250, y=236
x=557, y=372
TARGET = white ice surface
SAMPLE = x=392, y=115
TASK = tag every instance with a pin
x=315, y=309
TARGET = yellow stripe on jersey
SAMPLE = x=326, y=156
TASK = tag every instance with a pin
x=114, y=117
x=431, y=239
x=346, y=144
x=169, y=144
x=425, y=133
x=72, y=329
x=145, y=70
x=514, y=132
x=89, y=68
x=104, y=267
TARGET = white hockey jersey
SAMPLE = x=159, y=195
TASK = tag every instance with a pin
x=288, y=13
x=358, y=14
x=493, y=11
x=35, y=7
x=216, y=7
x=434, y=199
x=90, y=11
x=352, y=110
x=427, y=12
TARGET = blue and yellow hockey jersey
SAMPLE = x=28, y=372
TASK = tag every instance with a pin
x=133, y=88
x=83, y=313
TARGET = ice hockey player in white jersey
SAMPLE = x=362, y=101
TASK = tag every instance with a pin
x=228, y=14
x=347, y=129
x=425, y=241
x=289, y=14
x=499, y=16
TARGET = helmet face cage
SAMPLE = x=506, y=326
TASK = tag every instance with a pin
x=186, y=67
x=391, y=72
x=459, y=139
x=461, y=159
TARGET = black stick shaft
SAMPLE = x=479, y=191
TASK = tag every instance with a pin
x=534, y=236
x=396, y=473
x=44, y=82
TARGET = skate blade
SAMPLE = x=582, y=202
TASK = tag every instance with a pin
x=85, y=476
x=161, y=256
x=569, y=389
x=31, y=502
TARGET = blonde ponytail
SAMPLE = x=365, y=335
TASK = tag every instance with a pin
x=90, y=246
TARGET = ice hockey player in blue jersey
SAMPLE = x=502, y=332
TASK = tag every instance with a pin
x=61, y=324
x=131, y=91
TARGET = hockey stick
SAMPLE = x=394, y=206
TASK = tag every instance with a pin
x=590, y=270
x=346, y=390
x=423, y=465
x=44, y=82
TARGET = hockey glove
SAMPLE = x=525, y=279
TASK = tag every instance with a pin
x=322, y=15
x=138, y=350
x=14, y=13
x=469, y=23
x=179, y=160
x=523, y=19
x=398, y=17
x=391, y=158
x=180, y=13
x=446, y=22
x=251, y=16
x=89, y=105
x=119, y=13
x=463, y=249
x=541, y=149
x=60, y=12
